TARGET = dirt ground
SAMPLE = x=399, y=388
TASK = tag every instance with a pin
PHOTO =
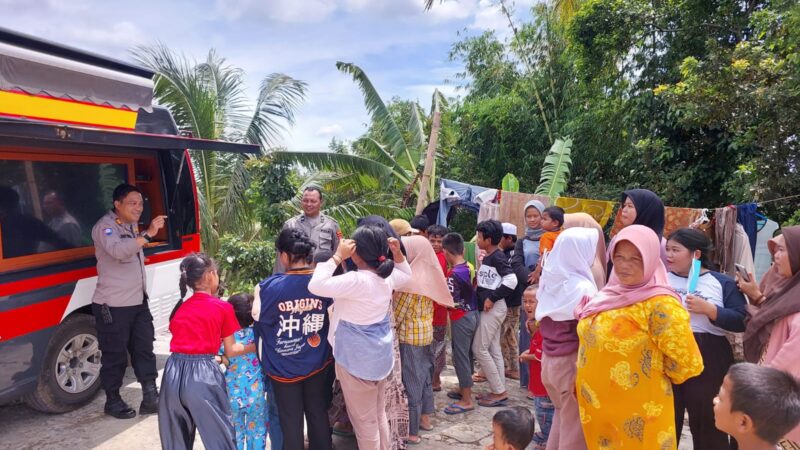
x=88, y=428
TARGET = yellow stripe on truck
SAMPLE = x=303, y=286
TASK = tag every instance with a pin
x=43, y=108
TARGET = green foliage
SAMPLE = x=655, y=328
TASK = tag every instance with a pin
x=555, y=172
x=244, y=264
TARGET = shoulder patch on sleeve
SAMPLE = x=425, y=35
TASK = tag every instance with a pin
x=107, y=231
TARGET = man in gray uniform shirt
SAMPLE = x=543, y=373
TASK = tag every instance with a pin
x=122, y=316
x=322, y=229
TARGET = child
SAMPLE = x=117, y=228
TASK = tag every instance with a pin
x=496, y=281
x=193, y=395
x=542, y=404
x=361, y=325
x=463, y=321
x=245, y=382
x=512, y=429
x=435, y=235
x=758, y=406
x=552, y=224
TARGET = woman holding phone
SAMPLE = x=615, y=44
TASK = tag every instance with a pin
x=715, y=307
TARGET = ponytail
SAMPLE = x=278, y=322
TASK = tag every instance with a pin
x=372, y=245
x=193, y=268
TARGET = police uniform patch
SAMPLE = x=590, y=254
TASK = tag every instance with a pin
x=107, y=231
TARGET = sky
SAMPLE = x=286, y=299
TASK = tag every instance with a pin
x=402, y=48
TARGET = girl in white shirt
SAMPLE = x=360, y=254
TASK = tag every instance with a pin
x=361, y=333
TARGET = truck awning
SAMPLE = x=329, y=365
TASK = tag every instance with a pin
x=44, y=69
x=15, y=130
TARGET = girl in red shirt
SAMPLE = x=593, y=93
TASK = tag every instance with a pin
x=193, y=395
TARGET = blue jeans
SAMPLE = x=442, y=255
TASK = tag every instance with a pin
x=544, y=409
x=275, y=434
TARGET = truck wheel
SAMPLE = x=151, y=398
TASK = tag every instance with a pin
x=70, y=375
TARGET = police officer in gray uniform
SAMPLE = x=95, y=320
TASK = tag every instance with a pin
x=122, y=316
x=322, y=229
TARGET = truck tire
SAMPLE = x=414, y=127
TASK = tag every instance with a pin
x=70, y=375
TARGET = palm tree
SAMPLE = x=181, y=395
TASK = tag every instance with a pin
x=392, y=172
x=208, y=100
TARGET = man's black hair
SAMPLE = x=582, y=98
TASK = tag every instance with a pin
x=453, y=243
x=556, y=213
x=122, y=191
x=517, y=426
x=491, y=229
x=769, y=396
x=420, y=222
x=314, y=188
x=436, y=230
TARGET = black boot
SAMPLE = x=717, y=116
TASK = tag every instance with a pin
x=116, y=407
x=149, y=398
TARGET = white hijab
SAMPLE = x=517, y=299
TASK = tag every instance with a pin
x=567, y=274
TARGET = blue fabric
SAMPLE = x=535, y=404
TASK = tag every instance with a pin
x=746, y=215
x=466, y=194
x=245, y=383
x=531, y=253
x=293, y=324
x=524, y=344
x=545, y=410
x=358, y=344
x=275, y=433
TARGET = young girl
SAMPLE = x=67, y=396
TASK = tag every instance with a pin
x=245, y=382
x=715, y=307
x=292, y=327
x=193, y=395
x=361, y=327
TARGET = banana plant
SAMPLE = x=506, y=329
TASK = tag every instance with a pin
x=556, y=170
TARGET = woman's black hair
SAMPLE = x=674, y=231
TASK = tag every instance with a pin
x=378, y=221
x=693, y=240
x=193, y=268
x=243, y=308
x=373, y=247
x=295, y=243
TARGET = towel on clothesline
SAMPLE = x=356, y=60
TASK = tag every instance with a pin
x=600, y=210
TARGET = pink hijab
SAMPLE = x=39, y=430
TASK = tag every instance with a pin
x=427, y=278
x=616, y=295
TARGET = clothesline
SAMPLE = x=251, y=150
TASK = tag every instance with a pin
x=779, y=199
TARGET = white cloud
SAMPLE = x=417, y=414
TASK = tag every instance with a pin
x=289, y=11
x=330, y=130
x=120, y=34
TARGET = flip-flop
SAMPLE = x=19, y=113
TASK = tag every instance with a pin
x=493, y=403
x=454, y=395
x=478, y=378
x=437, y=389
x=428, y=428
x=413, y=442
x=513, y=376
x=454, y=409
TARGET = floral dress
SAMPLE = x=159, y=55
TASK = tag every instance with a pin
x=627, y=361
x=245, y=383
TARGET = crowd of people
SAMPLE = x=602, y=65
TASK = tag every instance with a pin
x=615, y=342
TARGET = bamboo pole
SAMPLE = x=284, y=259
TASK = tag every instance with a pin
x=422, y=200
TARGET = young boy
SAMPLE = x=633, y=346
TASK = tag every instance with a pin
x=496, y=282
x=435, y=235
x=552, y=222
x=758, y=406
x=542, y=404
x=512, y=429
x=463, y=321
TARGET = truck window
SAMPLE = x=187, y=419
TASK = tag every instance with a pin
x=49, y=204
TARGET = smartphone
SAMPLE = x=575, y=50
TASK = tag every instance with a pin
x=742, y=272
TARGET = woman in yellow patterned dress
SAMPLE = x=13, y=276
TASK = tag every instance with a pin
x=635, y=341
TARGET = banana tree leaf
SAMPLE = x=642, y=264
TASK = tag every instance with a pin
x=556, y=170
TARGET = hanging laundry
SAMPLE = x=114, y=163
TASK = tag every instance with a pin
x=746, y=215
x=763, y=258
x=511, y=207
x=677, y=218
x=452, y=193
x=600, y=210
x=489, y=210
x=725, y=232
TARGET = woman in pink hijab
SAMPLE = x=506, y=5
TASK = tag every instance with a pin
x=635, y=341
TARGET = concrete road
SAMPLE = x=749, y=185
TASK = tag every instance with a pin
x=88, y=428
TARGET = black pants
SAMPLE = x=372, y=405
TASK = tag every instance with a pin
x=194, y=397
x=307, y=397
x=696, y=395
x=131, y=332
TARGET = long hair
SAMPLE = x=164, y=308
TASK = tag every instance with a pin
x=372, y=245
x=193, y=268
